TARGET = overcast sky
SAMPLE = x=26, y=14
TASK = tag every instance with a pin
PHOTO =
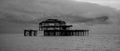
x=15, y=14
x=111, y=3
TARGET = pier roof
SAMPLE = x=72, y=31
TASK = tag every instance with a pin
x=53, y=21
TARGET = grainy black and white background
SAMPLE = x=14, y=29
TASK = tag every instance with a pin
x=17, y=15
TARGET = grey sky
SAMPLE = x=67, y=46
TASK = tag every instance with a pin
x=111, y=3
x=33, y=11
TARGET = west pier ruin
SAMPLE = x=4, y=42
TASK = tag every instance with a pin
x=55, y=27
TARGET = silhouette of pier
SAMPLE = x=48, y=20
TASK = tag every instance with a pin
x=55, y=27
x=30, y=32
x=66, y=32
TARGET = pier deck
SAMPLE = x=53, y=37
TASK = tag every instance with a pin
x=66, y=32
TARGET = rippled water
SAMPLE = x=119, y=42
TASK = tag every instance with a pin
x=93, y=42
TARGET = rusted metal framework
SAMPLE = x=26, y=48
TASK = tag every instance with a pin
x=53, y=24
x=66, y=32
x=30, y=32
x=55, y=27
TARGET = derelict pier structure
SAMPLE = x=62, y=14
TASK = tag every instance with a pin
x=55, y=27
